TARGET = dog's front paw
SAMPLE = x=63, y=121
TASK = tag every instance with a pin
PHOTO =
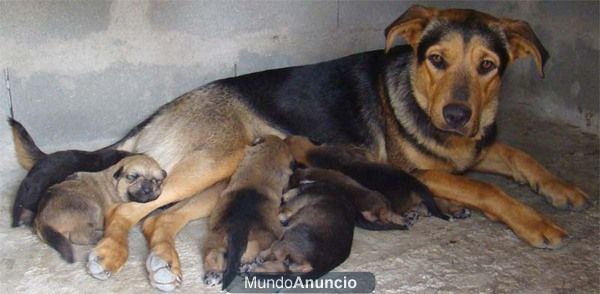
x=564, y=195
x=162, y=276
x=538, y=231
x=107, y=258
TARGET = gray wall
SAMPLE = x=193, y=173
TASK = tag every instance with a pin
x=84, y=70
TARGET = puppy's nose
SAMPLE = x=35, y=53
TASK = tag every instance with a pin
x=146, y=187
x=456, y=115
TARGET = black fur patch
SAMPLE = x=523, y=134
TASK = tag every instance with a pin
x=489, y=137
x=242, y=213
x=393, y=183
x=58, y=242
x=328, y=102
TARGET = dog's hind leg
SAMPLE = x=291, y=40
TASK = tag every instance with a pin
x=194, y=173
x=524, y=221
x=163, y=264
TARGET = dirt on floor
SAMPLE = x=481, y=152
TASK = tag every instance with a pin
x=473, y=255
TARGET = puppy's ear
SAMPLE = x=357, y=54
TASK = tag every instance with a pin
x=118, y=173
x=409, y=25
x=523, y=42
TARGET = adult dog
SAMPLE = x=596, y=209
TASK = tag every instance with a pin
x=428, y=107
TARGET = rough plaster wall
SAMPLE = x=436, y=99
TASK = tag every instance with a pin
x=84, y=70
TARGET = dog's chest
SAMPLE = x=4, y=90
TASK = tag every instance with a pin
x=456, y=157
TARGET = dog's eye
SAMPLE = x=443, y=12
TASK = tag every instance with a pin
x=132, y=177
x=486, y=66
x=437, y=61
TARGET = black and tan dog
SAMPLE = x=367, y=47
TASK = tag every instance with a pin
x=245, y=221
x=46, y=170
x=429, y=106
x=73, y=211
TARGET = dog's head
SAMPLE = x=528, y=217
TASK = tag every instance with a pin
x=138, y=178
x=459, y=58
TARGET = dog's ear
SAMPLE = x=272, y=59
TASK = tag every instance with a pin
x=409, y=25
x=118, y=173
x=523, y=42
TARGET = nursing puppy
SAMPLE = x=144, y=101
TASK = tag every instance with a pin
x=402, y=189
x=245, y=220
x=46, y=170
x=320, y=215
x=74, y=211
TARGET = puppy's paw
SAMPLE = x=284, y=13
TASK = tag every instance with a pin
x=461, y=213
x=411, y=217
x=160, y=274
x=95, y=268
x=213, y=279
x=247, y=267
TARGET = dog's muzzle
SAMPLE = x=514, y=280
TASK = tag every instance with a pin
x=456, y=115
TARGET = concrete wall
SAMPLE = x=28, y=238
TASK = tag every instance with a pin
x=83, y=70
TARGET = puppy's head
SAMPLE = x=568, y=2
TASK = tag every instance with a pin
x=138, y=178
x=459, y=58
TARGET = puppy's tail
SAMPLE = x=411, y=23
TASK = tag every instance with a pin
x=27, y=151
x=237, y=240
x=57, y=241
x=427, y=198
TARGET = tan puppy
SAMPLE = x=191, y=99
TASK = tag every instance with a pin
x=245, y=219
x=73, y=211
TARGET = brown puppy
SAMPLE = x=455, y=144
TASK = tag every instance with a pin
x=73, y=211
x=245, y=220
x=320, y=215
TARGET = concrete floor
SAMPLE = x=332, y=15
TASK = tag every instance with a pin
x=468, y=256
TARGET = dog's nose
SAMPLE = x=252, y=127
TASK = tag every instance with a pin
x=147, y=187
x=456, y=115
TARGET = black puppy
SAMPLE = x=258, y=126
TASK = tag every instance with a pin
x=403, y=190
x=46, y=170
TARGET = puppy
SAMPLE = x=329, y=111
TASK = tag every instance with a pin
x=373, y=210
x=395, y=184
x=74, y=211
x=46, y=170
x=246, y=217
x=320, y=215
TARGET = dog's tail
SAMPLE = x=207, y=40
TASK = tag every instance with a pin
x=237, y=241
x=427, y=198
x=57, y=241
x=27, y=151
